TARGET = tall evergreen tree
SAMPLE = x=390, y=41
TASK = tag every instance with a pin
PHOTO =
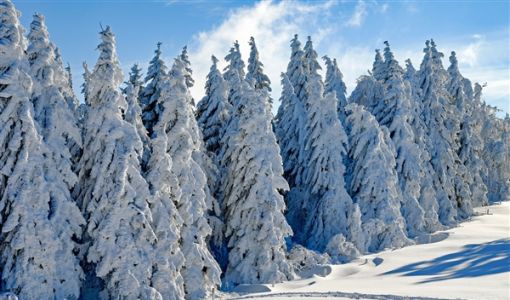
x=166, y=196
x=334, y=83
x=290, y=117
x=256, y=227
x=235, y=64
x=39, y=218
x=255, y=75
x=150, y=93
x=442, y=129
x=112, y=193
x=378, y=65
x=373, y=182
x=200, y=271
x=394, y=111
x=470, y=142
x=213, y=114
x=330, y=208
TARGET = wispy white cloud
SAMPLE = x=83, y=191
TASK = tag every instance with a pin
x=272, y=24
x=359, y=14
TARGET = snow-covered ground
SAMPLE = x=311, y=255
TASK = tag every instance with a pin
x=471, y=261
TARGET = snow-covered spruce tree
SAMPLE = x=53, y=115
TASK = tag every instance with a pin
x=378, y=66
x=150, y=93
x=235, y=64
x=334, y=83
x=471, y=144
x=189, y=72
x=112, y=193
x=330, y=207
x=167, y=223
x=429, y=187
x=200, y=272
x=395, y=113
x=213, y=110
x=442, y=129
x=212, y=115
x=39, y=219
x=290, y=118
x=133, y=115
x=256, y=227
x=55, y=117
x=373, y=182
x=256, y=75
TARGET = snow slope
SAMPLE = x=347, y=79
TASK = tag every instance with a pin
x=471, y=261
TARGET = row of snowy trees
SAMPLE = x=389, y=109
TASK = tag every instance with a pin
x=138, y=194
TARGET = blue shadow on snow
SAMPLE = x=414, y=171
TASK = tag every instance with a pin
x=472, y=261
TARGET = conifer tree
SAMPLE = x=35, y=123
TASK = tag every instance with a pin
x=334, y=83
x=330, y=208
x=395, y=113
x=256, y=75
x=378, y=66
x=373, y=182
x=442, y=128
x=470, y=142
x=40, y=221
x=255, y=225
x=167, y=222
x=150, y=93
x=200, y=271
x=113, y=195
x=213, y=114
x=290, y=117
x=235, y=64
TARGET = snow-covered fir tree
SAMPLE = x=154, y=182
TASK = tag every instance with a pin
x=133, y=115
x=255, y=75
x=167, y=222
x=112, y=193
x=212, y=115
x=213, y=110
x=235, y=63
x=442, y=129
x=330, y=211
x=368, y=92
x=373, y=182
x=290, y=118
x=378, y=65
x=470, y=128
x=201, y=273
x=150, y=93
x=39, y=219
x=395, y=113
x=189, y=72
x=255, y=225
x=334, y=83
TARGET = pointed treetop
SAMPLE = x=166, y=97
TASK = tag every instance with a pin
x=255, y=75
x=453, y=60
x=214, y=60
x=235, y=63
x=295, y=44
x=378, y=65
x=310, y=56
x=135, y=76
x=185, y=59
x=107, y=73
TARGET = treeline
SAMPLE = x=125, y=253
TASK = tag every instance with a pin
x=138, y=193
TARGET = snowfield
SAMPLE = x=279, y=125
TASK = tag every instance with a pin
x=471, y=261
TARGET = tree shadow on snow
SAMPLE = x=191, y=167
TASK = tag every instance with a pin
x=473, y=261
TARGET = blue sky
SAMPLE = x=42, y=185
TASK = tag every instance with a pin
x=349, y=30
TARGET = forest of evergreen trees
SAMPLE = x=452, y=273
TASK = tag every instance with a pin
x=142, y=192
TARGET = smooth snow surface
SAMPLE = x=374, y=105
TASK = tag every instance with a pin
x=473, y=262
